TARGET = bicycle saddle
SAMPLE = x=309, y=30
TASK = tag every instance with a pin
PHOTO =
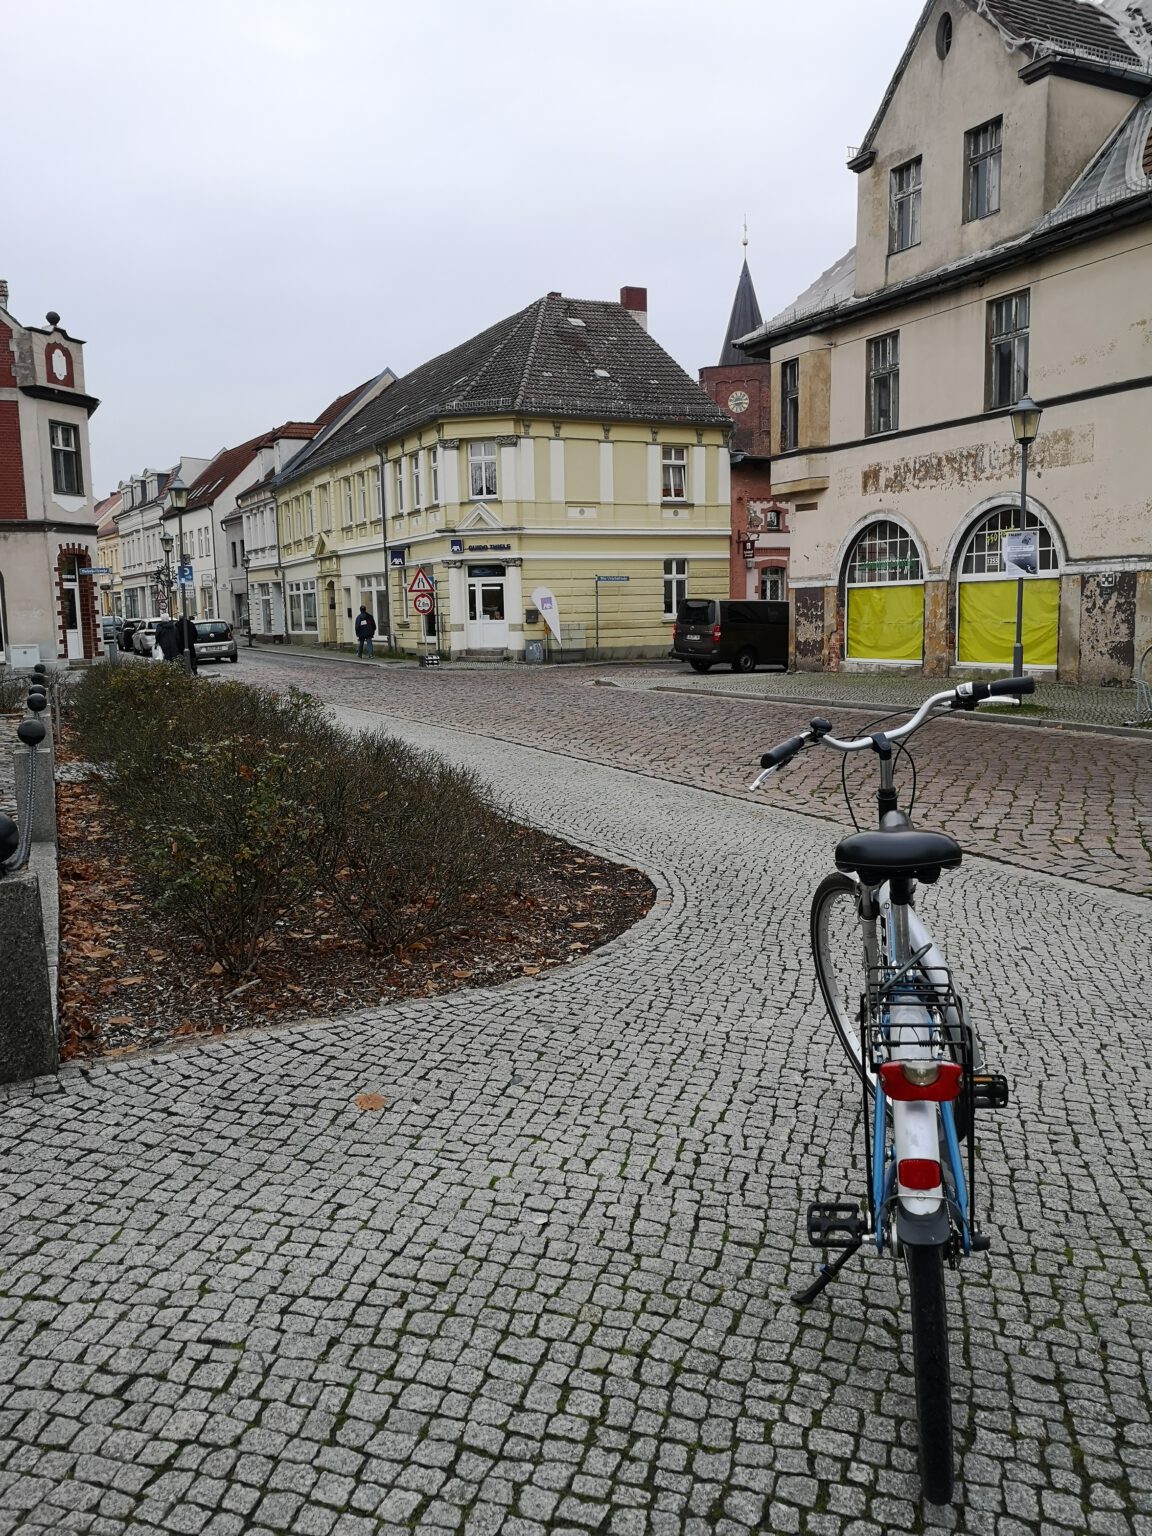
x=898, y=851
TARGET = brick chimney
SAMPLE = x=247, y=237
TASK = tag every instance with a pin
x=635, y=301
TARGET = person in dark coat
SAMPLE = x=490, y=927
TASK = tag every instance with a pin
x=365, y=629
x=168, y=640
x=186, y=637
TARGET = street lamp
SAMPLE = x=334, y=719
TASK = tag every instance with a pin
x=1025, y=418
x=176, y=500
x=166, y=545
x=246, y=562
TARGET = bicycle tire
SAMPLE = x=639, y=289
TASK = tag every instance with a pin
x=838, y=956
x=928, y=1309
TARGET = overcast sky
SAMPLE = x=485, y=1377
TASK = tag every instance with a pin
x=247, y=207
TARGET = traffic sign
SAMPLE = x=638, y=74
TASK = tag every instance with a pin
x=95, y=570
x=422, y=602
x=420, y=582
x=186, y=576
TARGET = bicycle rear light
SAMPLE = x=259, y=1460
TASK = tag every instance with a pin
x=939, y=1081
x=919, y=1172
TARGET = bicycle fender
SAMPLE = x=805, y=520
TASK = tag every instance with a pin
x=923, y=1229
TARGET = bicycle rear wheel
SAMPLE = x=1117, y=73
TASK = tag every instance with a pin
x=838, y=954
x=928, y=1309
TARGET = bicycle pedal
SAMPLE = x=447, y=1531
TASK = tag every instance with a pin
x=989, y=1090
x=834, y=1226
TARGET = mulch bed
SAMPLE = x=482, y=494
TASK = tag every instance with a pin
x=130, y=981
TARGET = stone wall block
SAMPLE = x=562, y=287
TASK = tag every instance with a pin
x=808, y=606
x=28, y=1044
x=43, y=811
x=1107, y=627
x=937, y=650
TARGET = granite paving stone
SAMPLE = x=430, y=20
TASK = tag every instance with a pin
x=237, y=1303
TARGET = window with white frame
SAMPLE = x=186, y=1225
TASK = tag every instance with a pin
x=883, y=383
x=772, y=584
x=883, y=552
x=904, y=205
x=675, y=586
x=361, y=498
x=67, y=479
x=414, y=462
x=482, y=468
x=309, y=524
x=434, y=475
x=674, y=468
x=1008, y=320
x=302, y=607
x=398, y=482
x=982, y=157
x=346, y=500
x=325, y=508
x=982, y=552
x=298, y=517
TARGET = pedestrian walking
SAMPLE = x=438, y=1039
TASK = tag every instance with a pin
x=365, y=629
x=186, y=633
x=167, y=640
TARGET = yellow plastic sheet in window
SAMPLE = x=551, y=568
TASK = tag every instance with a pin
x=988, y=622
x=886, y=623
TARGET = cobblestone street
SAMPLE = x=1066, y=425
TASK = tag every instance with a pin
x=545, y=1289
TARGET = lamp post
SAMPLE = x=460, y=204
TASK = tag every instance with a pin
x=246, y=562
x=176, y=500
x=166, y=570
x=1025, y=418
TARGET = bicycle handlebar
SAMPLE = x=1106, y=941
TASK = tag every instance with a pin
x=965, y=696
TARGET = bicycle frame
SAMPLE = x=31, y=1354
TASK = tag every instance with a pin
x=923, y=1130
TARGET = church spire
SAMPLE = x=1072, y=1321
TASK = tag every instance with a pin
x=745, y=315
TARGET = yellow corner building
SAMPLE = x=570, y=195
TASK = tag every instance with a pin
x=558, y=478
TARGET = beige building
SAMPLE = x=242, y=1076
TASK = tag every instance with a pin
x=557, y=478
x=47, y=521
x=1002, y=248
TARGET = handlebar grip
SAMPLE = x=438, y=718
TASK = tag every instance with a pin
x=1016, y=685
x=778, y=756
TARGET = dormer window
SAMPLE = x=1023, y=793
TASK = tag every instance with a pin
x=904, y=209
x=982, y=153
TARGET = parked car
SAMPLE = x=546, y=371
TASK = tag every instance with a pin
x=745, y=633
x=129, y=629
x=215, y=641
x=144, y=637
x=111, y=627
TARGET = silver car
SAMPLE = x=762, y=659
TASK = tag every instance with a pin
x=215, y=641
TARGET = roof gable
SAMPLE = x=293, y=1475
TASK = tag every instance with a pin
x=1075, y=29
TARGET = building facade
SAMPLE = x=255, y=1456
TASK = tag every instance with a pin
x=47, y=511
x=1004, y=214
x=739, y=385
x=556, y=478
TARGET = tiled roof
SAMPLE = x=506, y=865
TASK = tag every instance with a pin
x=221, y=472
x=330, y=412
x=558, y=357
x=1056, y=26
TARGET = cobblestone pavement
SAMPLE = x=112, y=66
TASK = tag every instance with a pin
x=1072, y=805
x=545, y=1289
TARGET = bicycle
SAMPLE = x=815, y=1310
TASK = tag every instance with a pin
x=907, y=1034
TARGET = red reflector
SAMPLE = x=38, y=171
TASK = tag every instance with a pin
x=946, y=1087
x=919, y=1172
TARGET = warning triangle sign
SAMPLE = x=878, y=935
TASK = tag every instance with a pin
x=420, y=582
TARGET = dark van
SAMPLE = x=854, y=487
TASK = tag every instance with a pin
x=745, y=634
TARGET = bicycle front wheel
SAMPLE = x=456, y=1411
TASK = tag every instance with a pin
x=929, y=1313
x=841, y=964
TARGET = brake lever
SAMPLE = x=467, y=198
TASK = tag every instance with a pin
x=765, y=773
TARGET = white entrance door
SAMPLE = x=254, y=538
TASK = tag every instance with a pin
x=487, y=624
x=71, y=587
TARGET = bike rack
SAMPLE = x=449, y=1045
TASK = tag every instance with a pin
x=1142, y=677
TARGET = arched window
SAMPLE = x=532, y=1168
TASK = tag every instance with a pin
x=981, y=556
x=884, y=595
x=883, y=552
x=986, y=595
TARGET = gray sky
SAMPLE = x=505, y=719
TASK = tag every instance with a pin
x=247, y=207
